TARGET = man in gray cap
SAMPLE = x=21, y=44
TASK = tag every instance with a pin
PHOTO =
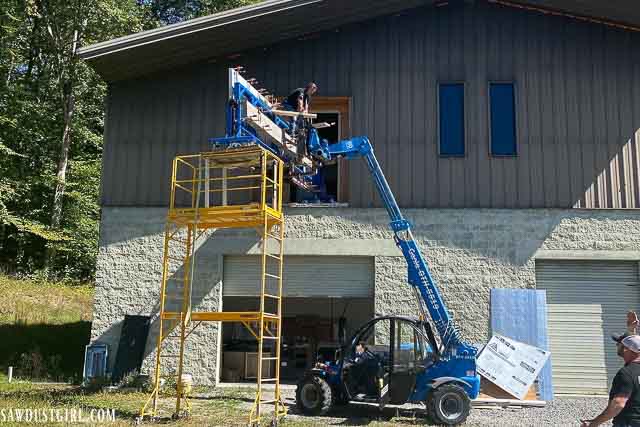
x=624, y=397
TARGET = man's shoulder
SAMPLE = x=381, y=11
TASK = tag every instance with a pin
x=629, y=372
x=632, y=368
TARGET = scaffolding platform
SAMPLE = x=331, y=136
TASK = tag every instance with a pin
x=227, y=189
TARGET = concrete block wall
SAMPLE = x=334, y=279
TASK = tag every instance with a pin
x=469, y=251
x=128, y=281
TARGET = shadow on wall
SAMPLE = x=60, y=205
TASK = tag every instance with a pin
x=206, y=279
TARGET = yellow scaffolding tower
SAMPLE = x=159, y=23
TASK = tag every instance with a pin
x=236, y=188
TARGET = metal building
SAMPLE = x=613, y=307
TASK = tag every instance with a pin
x=540, y=194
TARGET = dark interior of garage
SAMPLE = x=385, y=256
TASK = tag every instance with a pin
x=312, y=328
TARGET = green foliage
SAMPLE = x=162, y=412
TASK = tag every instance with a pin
x=162, y=12
x=39, y=73
x=35, y=68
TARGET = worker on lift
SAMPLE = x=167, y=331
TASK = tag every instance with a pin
x=299, y=101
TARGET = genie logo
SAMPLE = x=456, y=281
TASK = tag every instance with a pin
x=423, y=279
x=348, y=144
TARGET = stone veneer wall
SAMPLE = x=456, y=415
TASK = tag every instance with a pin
x=469, y=251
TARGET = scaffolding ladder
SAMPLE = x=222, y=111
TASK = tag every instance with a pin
x=231, y=189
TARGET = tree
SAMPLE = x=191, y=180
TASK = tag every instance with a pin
x=51, y=124
x=163, y=12
x=43, y=86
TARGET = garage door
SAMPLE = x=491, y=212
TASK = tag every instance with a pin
x=587, y=302
x=304, y=276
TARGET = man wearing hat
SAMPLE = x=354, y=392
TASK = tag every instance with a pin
x=624, y=397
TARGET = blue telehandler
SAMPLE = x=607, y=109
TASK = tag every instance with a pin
x=420, y=359
x=410, y=362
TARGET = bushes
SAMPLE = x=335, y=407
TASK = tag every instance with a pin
x=45, y=352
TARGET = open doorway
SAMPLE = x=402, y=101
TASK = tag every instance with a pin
x=334, y=178
x=327, y=180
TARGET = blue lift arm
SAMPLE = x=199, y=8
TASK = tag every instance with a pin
x=420, y=278
x=239, y=131
x=456, y=359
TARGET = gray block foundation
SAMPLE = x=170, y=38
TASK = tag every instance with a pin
x=469, y=251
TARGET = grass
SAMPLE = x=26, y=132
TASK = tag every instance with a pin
x=213, y=409
x=53, y=320
x=220, y=407
x=47, y=326
x=39, y=302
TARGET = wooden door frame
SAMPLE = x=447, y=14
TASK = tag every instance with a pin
x=342, y=106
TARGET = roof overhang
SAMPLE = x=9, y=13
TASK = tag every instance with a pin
x=229, y=32
x=271, y=21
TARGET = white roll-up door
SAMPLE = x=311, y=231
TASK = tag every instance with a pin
x=587, y=302
x=304, y=276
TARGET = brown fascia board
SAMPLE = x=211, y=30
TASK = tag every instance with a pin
x=275, y=20
x=191, y=26
x=230, y=32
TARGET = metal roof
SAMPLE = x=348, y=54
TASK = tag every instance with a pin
x=271, y=21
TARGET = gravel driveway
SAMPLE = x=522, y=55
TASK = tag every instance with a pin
x=562, y=411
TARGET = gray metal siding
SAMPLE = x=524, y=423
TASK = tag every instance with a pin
x=577, y=95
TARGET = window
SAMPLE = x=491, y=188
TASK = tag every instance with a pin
x=451, y=106
x=503, y=119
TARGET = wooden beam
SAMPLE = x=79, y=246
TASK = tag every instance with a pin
x=294, y=114
x=271, y=132
x=508, y=402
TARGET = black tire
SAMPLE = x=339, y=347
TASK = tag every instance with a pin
x=313, y=396
x=448, y=405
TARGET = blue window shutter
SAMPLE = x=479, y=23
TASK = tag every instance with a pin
x=503, y=119
x=452, y=119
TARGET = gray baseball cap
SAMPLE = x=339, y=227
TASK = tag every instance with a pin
x=619, y=338
x=632, y=343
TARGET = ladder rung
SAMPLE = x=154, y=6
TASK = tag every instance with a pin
x=268, y=401
x=171, y=337
x=268, y=380
x=272, y=296
x=273, y=256
x=268, y=337
x=178, y=240
x=270, y=315
x=273, y=236
x=270, y=358
x=272, y=275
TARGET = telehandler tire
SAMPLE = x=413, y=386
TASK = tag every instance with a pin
x=313, y=396
x=449, y=404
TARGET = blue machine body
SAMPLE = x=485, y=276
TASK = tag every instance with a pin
x=457, y=360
